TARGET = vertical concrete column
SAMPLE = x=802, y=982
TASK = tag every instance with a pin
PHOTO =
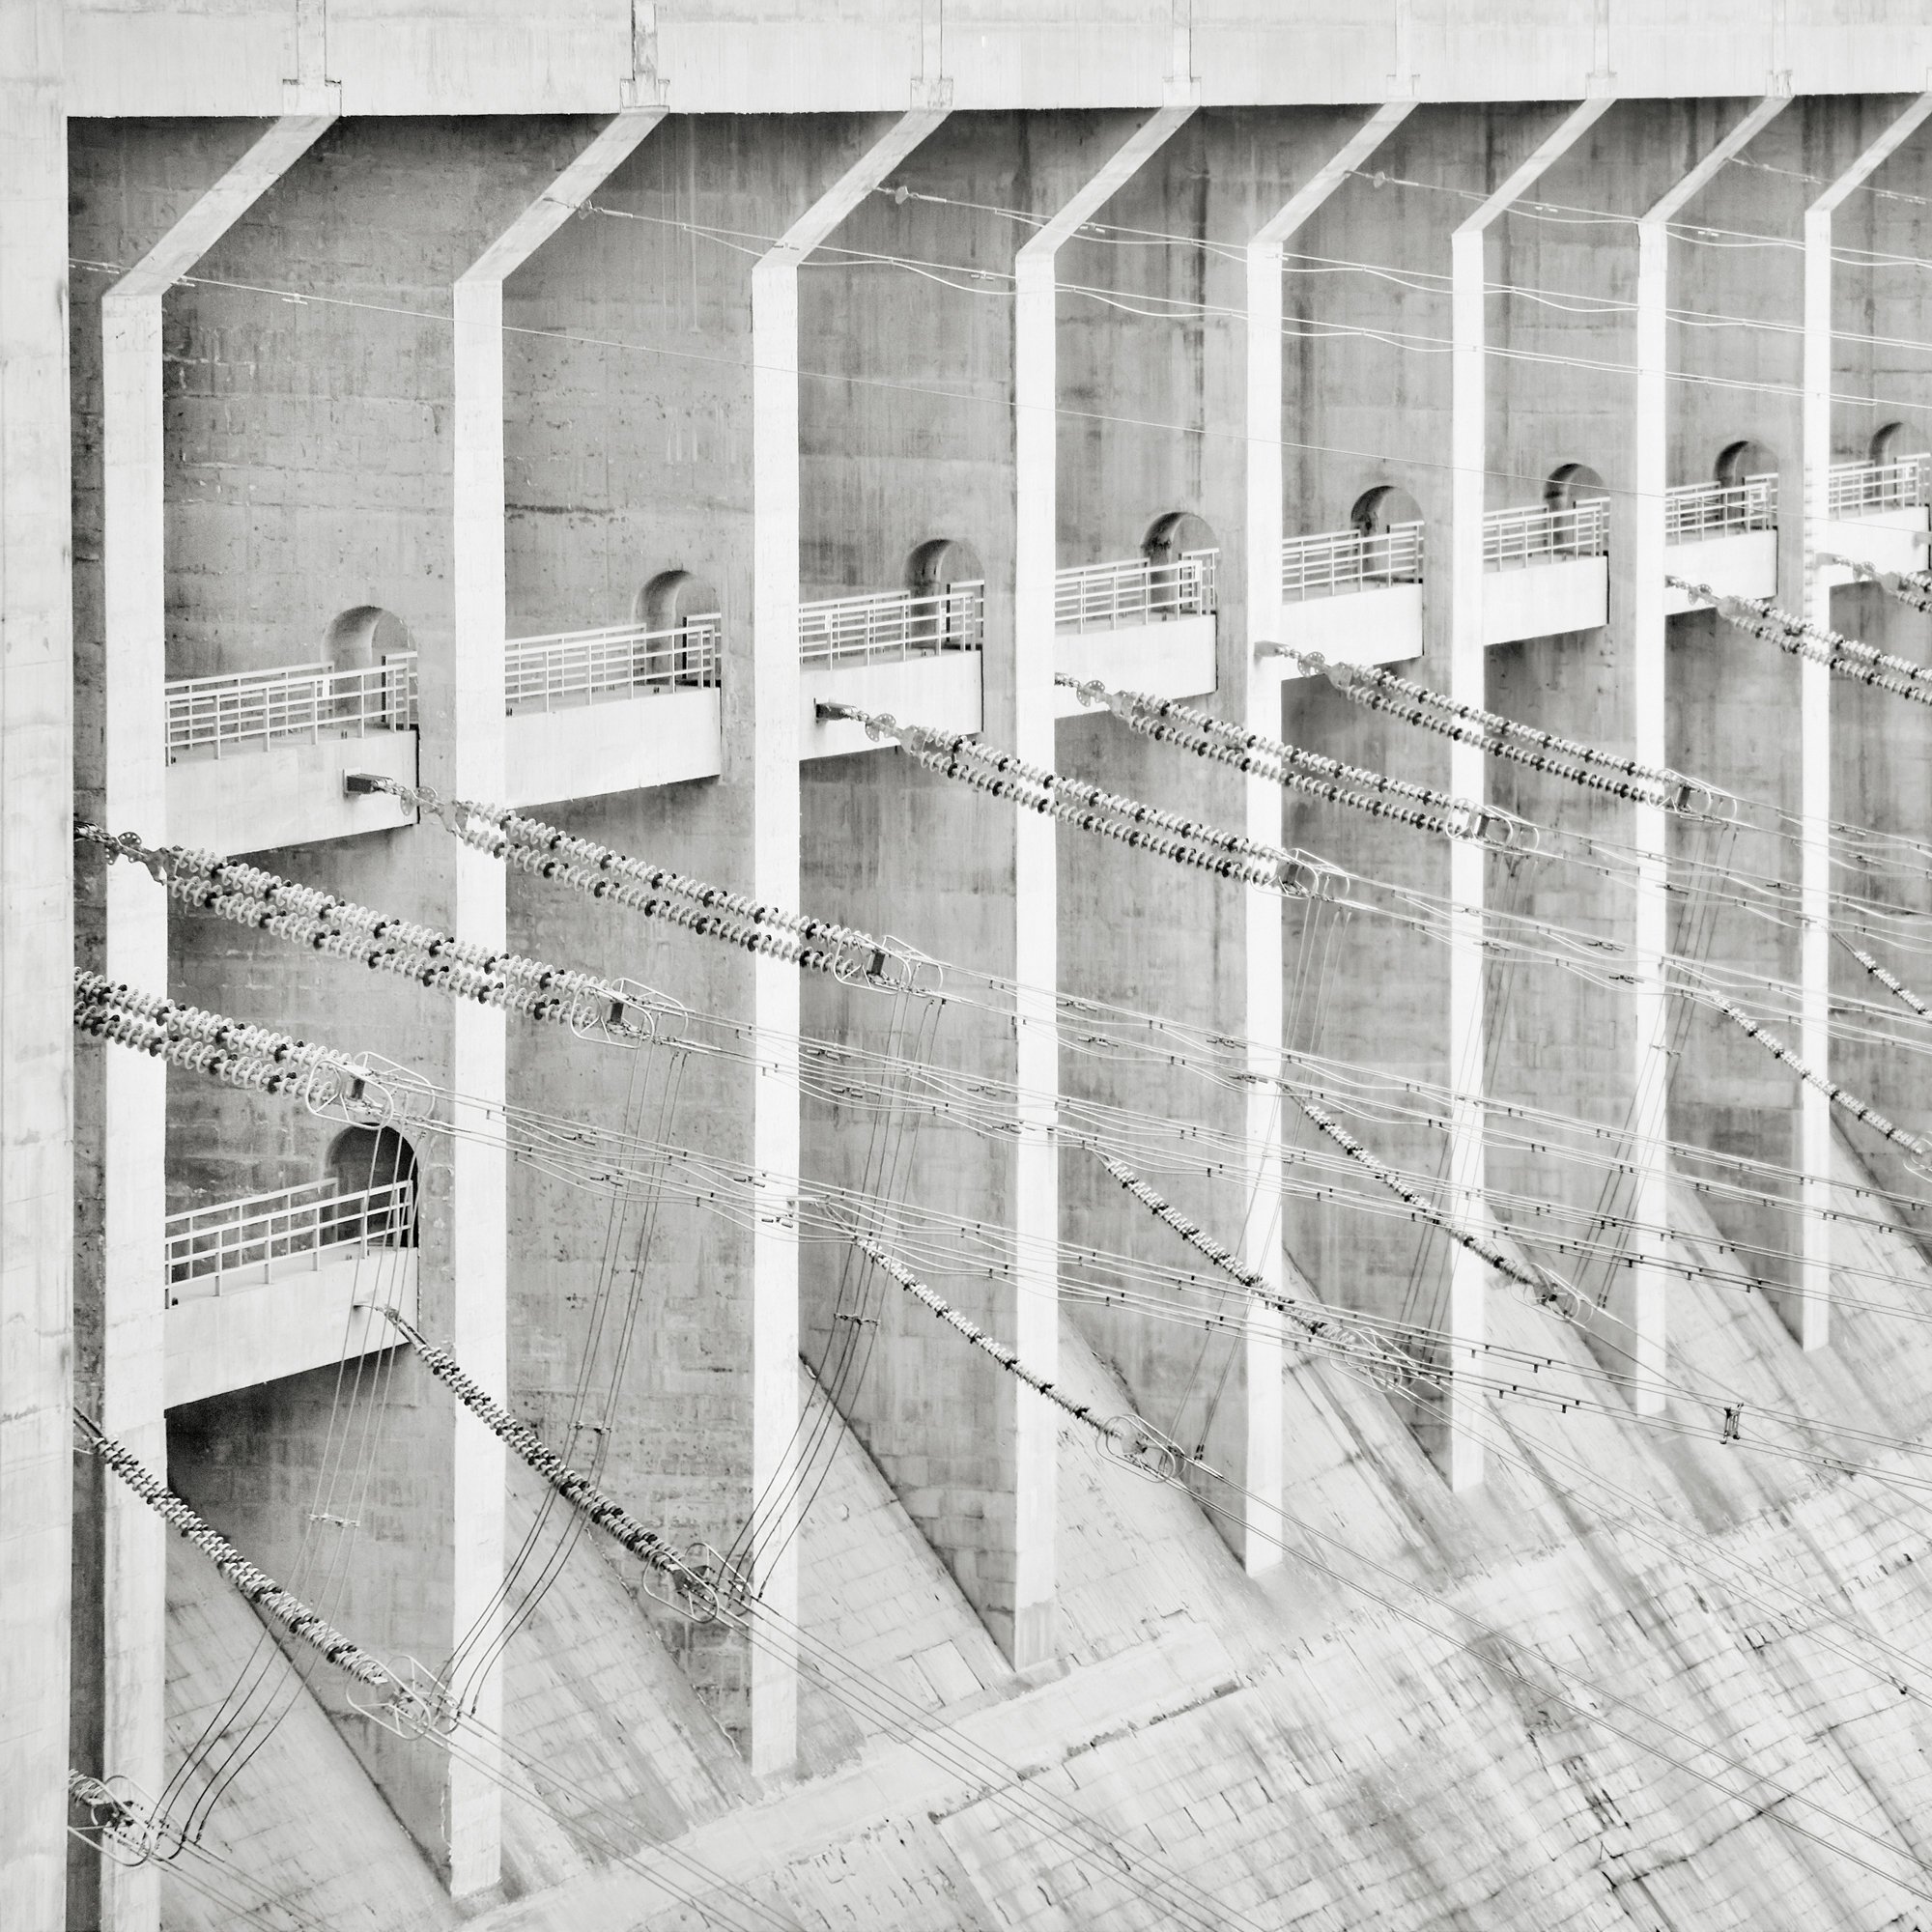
x=1637, y=1294
x=1814, y=745
x=768, y=752
x=36, y=964
x=1260, y=711
x=469, y=763
x=1463, y=1456
x=134, y=1089
x=1019, y=711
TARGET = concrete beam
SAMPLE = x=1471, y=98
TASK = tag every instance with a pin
x=764, y=751
x=428, y=57
x=134, y=1088
x=1814, y=744
x=1637, y=1298
x=1468, y=1276
x=35, y=962
x=471, y=763
x=1260, y=702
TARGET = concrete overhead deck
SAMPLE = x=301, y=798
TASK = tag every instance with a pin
x=752, y=56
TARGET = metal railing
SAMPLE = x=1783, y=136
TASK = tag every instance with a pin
x=1693, y=510
x=1544, y=535
x=249, y=710
x=580, y=666
x=1864, y=489
x=891, y=624
x=1136, y=591
x=1338, y=561
x=205, y=1246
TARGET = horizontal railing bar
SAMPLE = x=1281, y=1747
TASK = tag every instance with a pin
x=641, y=634
x=1133, y=590
x=309, y=1218
x=1331, y=562
x=237, y=679
x=1538, y=531
x=884, y=623
x=251, y=707
x=612, y=661
x=303, y=1189
x=1899, y=485
x=1714, y=508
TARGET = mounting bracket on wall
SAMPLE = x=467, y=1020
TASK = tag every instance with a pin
x=644, y=86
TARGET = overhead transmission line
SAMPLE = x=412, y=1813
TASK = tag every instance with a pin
x=848, y=379
x=957, y=755
x=842, y=1216
x=420, y=1710
x=260, y=898
x=190, y=1038
x=1845, y=656
x=1159, y=1459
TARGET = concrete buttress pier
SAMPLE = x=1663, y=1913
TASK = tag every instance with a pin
x=322, y=485
x=911, y=438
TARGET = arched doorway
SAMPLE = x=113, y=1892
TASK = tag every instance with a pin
x=1897, y=442
x=1389, y=521
x=949, y=572
x=369, y=649
x=366, y=634
x=1580, y=505
x=684, y=608
x=377, y=1188
x=1182, y=553
x=1737, y=463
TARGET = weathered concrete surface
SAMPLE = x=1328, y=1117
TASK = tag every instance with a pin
x=1307, y=1754
x=275, y=1835
x=492, y=57
x=1367, y=404
x=910, y=437
x=1733, y=709
x=637, y=319
x=314, y=452
x=1879, y=772
x=1153, y=368
x=35, y=944
x=1306, y=1749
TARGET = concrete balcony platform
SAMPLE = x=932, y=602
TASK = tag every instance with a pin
x=1378, y=624
x=288, y=793
x=1880, y=538
x=308, y=1311
x=1172, y=657
x=613, y=744
x=939, y=689
x=1742, y=564
x=1545, y=600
